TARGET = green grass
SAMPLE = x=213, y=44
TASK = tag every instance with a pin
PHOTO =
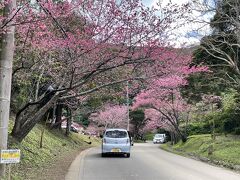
x=225, y=149
x=55, y=143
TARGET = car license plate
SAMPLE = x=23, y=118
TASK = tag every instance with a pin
x=115, y=150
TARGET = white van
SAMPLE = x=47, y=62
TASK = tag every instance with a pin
x=159, y=138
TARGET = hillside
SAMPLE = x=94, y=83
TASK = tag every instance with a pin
x=225, y=149
x=53, y=159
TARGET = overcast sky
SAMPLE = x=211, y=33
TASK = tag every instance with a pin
x=190, y=33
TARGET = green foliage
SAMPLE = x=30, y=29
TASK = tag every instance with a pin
x=230, y=124
x=223, y=74
x=225, y=148
x=138, y=121
x=198, y=128
x=20, y=94
x=202, y=83
x=226, y=119
x=94, y=102
x=237, y=131
x=231, y=111
x=82, y=119
x=149, y=136
x=221, y=20
x=229, y=99
x=137, y=117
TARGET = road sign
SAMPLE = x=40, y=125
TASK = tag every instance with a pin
x=10, y=156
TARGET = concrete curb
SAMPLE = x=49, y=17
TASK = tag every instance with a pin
x=75, y=169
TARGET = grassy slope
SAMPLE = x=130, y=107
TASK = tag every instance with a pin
x=34, y=159
x=225, y=149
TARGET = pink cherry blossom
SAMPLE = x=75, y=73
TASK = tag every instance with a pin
x=111, y=116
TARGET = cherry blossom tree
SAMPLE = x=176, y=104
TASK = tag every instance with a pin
x=78, y=44
x=111, y=116
x=156, y=120
x=164, y=100
x=92, y=130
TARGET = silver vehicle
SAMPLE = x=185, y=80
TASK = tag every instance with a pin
x=116, y=141
x=159, y=138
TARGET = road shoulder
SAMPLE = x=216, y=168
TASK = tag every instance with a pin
x=75, y=169
x=218, y=163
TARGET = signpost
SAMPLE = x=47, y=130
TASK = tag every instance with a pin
x=9, y=156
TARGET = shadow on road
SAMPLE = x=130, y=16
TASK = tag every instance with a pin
x=113, y=156
x=99, y=155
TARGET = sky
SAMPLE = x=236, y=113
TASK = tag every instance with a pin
x=191, y=33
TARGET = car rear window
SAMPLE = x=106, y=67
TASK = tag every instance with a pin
x=116, y=134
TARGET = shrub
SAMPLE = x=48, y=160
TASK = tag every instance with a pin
x=226, y=118
x=237, y=131
x=198, y=128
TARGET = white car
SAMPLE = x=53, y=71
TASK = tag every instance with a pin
x=116, y=141
x=159, y=138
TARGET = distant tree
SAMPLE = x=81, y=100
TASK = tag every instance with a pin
x=138, y=121
x=219, y=50
x=110, y=116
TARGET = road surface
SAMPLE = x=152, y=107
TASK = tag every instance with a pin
x=147, y=162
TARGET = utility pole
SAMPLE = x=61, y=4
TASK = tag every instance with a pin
x=128, y=106
x=6, y=60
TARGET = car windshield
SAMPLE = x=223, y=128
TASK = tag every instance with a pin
x=116, y=134
x=158, y=135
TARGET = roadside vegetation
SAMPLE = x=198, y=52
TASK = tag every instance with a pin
x=52, y=160
x=220, y=117
x=213, y=132
x=225, y=149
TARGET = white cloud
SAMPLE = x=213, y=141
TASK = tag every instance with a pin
x=192, y=29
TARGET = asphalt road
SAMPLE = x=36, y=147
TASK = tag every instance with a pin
x=147, y=162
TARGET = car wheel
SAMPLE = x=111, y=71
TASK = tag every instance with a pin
x=128, y=155
x=103, y=155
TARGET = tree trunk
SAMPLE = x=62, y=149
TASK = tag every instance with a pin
x=58, y=116
x=22, y=117
x=6, y=59
x=172, y=138
x=69, y=121
x=21, y=132
x=181, y=135
x=42, y=132
x=38, y=83
x=53, y=121
x=183, y=138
